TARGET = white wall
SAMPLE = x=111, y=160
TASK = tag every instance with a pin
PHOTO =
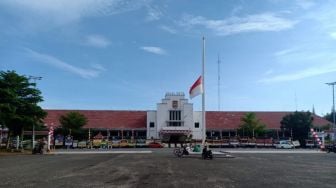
x=197, y=132
x=161, y=116
x=151, y=132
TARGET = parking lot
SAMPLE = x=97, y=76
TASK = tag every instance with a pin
x=162, y=169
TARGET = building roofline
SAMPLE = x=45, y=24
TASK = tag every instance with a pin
x=86, y=110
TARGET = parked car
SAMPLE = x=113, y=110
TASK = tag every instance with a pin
x=234, y=143
x=115, y=143
x=141, y=143
x=310, y=144
x=123, y=143
x=284, y=144
x=155, y=145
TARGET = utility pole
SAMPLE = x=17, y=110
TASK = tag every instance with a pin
x=333, y=108
x=219, y=101
x=295, y=98
x=34, y=78
x=203, y=94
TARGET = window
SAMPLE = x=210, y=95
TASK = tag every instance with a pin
x=175, y=115
x=196, y=125
x=151, y=124
x=175, y=124
x=175, y=118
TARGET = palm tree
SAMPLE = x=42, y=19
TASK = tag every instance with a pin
x=251, y=126
x=73, y=122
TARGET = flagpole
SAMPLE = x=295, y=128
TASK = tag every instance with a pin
x=203, y=95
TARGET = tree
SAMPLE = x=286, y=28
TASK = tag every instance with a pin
x=73, y=122
x=329, y=117
x=324, y=127
x=19, y=100
x=251, y=126
x=299, y=123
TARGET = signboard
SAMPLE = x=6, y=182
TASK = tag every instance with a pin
x=68, y=140
x=75, y=144
x=82, y=144
x=59, y=140
x=14, y=143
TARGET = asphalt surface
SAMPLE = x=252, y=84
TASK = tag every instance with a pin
x=162, y=169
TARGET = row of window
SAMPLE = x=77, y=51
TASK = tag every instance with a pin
x=175, y=115
x=175, y=120
x=175, y=124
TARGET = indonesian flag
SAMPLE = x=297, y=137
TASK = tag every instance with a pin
x=196, y=88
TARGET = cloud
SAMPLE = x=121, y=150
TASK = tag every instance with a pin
x=98, y=67
x=97, y=41
x=65, y=11
x=285, y=51
x=325, y=15
x=305, y=73
x=305, y=4
x=236, y=10
x=305, y=54
x=333, y=35
x=268, y=72
x=154, y=50
x=168, y=29
x=234, y=25
x=153, y=13
x=55, y=62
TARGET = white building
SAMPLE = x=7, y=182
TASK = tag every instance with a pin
x=174, y=119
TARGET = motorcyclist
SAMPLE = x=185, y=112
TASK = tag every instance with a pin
x=39, y=147
x=206, y=154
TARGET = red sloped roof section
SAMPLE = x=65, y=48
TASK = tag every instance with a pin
x=110, y=119
x=223, y=120
x=105, y=119
x=232, y=120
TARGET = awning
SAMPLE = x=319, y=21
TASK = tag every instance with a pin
x=184, y=132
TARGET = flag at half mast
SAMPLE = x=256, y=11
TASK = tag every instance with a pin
x=196, y=88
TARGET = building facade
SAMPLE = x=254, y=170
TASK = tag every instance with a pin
x=173, y=120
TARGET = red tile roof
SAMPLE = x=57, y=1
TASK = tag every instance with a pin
x=103, y=119
x=232, y=120
x=111, y=119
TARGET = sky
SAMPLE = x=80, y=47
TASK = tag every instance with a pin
x=275, y=55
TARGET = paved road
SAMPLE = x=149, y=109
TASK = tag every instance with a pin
x=161, y=169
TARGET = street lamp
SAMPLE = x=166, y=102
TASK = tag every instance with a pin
x=333, y=108
x=34, y=78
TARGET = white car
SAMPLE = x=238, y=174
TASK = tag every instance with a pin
x=284, y=144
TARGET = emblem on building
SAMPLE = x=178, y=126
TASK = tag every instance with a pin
x=175, y=104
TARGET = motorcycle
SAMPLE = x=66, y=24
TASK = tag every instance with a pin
x=38, y=149
x=207, y=154
x=179, y=152
x=186, y=150
x=331, y=148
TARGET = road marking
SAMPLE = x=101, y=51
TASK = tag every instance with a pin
x=100, y=152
